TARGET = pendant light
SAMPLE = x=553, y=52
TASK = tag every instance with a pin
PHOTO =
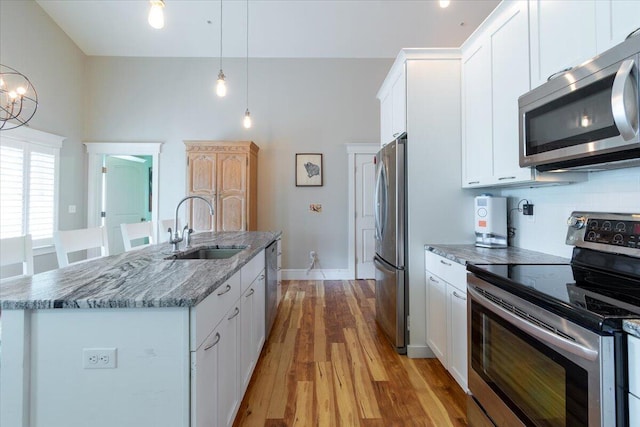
x=247, y=116
x=221, y=86
x=156, y=14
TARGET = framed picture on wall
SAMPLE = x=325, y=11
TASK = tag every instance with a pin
x=308, y=170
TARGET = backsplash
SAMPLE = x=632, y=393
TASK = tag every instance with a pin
x=545, y=231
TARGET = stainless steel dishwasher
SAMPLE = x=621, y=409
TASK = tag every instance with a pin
x=271, y=283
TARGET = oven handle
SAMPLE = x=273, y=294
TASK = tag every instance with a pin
x=542, y=334
x=622, y=102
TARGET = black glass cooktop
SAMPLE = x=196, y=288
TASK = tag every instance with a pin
x=599, y=297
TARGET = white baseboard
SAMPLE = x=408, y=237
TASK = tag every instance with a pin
x=317, y=274
x=420, y=352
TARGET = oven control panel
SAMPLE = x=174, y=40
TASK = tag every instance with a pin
x=610, y=232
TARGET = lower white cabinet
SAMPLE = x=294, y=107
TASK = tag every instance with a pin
x=229, y=368
x=447, y=314
x=436, y=317
x=457, y=325
x=634, y=380
x=222, y=363
x=252, y=328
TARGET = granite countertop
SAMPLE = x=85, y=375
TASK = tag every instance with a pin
x=471, y=254
x=632, y=326
x=136, y=279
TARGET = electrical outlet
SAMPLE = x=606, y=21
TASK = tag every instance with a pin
x=99, y=358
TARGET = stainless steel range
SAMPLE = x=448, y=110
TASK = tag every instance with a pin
x=546, y=346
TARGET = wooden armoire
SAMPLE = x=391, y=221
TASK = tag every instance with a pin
x=225, y=173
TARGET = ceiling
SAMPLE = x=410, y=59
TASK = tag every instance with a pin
x=277, y=29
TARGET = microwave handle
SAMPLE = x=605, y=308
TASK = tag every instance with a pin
x=620, y=104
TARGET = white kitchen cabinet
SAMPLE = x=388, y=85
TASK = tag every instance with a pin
x=447, y=314
x=227, y=336
x=634, y=380
x=205, y=387
x=495, y=72
x=436, y=317
x=587, y=27
x=399, y=103
x=279, y=274
x=509, y=80
x=252, y=328
x=563, y=35
x=477, y=160
x=615, y=20
x=229, y=376
x=457, y=325
x=386, y=118
x=393, y=105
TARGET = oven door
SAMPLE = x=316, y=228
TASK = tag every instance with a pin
x=542, y=371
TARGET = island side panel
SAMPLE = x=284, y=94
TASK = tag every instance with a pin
x=149, y=386
x=14, y=368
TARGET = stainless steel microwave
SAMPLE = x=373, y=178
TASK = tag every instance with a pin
x=587, y=117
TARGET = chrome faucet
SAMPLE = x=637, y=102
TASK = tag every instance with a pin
x=177, y=238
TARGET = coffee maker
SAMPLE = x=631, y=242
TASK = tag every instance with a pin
x=490, y=221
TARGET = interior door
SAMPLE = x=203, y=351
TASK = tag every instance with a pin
x=125, y=197
x=365, y=216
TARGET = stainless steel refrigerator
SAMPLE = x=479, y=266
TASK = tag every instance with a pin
x=391, y=240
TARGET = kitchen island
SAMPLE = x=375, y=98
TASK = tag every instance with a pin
x=175, y=340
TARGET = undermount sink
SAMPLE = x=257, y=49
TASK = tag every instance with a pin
x=210, y=252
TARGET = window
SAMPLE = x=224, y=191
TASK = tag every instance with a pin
x=29, y=184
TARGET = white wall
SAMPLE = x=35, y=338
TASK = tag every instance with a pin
x=607, y=191
x=33, y=44
x=306, y=105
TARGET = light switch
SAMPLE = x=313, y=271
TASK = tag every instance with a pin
x=72, y=208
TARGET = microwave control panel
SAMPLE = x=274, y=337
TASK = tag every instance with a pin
x=618, y=233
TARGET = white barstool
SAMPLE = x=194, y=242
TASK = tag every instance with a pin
x=16, y=250
x=137, y=231
x=69, y=241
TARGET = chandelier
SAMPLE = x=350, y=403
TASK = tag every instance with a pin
x=18, y=99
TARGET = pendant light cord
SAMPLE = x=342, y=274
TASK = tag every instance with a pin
x=247, y=55
x=220, y=35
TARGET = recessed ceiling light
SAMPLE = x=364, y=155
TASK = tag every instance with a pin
x=444, y=3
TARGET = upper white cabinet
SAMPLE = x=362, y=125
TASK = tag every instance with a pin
x=565, y=33
x=615, y=20
x=495, y=72
x=393, y=104
x=477, y=160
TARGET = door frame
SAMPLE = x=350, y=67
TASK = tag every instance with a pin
x=95, y=152
x=352, y=150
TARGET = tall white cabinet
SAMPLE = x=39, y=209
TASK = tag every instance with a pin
x=431, y=79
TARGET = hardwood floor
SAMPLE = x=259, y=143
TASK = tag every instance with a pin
x=326, y=364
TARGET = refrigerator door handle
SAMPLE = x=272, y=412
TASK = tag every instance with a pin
x=381, y=201
x=384, y=266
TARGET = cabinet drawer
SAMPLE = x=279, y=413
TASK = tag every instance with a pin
x=449, y=271
x=206, y=315
x=251, y=270
x=634, y=365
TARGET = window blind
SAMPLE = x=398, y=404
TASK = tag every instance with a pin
x=41, y=195
x=11, y=192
